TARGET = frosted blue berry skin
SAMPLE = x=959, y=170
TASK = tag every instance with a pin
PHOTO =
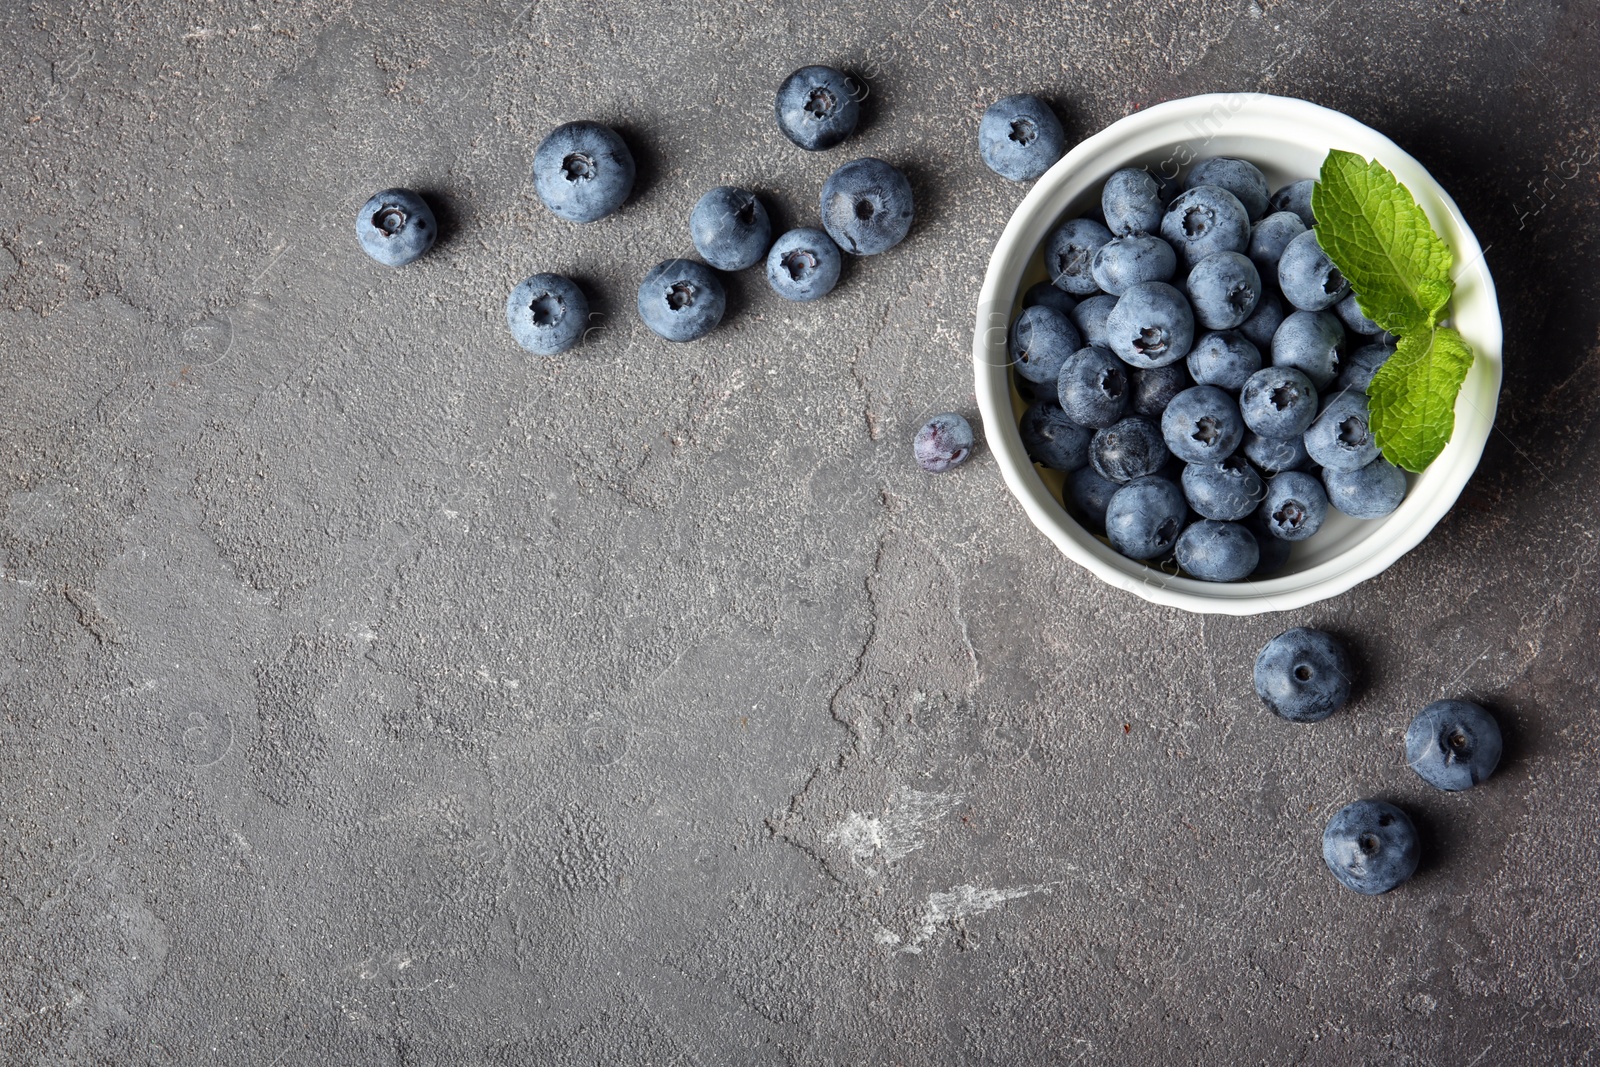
x=1020, y=138
x=1239, y=176
x=1453, y=744
x=1041, y=340
x=730, y=228
x=1088, y=494
x=1145, y=518
x=681, y=299
x=1312, y=342
x=1093, y=387
x=1274, y=454
x=1340, y=439
x=1090, y=317
x=395, y=227
x=1307, y=277
x=1368, y=493
x=817, y=107
x=943, y=443
x=1131, y=202
x=1294, y=507
x=1151, y=326
x=1268, y=239
x=1303, y=675
x=1069, y=255
x=803, y=265
x=1048, y=295
x=1217, y=551
x=1154, y=387
x=1203, y=221
x=1295, y=197
x=547, y=314
x=1202, y=425
x=1356, y=369
x=1129, y=449
x=1223, y=290
x=1278, y=402
x=1260, y=326
x=583, y=171
x=1350, y=313
x=1225, y=359
x=867, y=207
x=1228, y=491
x=1053, y=440
x=1371, y=847
x=1124, y=262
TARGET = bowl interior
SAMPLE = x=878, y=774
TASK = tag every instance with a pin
x=1288, y=140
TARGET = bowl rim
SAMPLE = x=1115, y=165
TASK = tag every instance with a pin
x=1251, y=114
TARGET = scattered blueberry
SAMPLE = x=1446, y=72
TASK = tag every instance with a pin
x=1051, y=439
x=1151, y=326
x=866, y=207
x=1090, y=317
x=817, y=107
x=1131, y=202
x=547, y=314
x=1310, y=342
x=1278, y=402
x=1127, y=450
x=1041, y=340
x=943, y=443
x=1070, y=255
x=1295, y=197
x=803, y=265
x=1154, y=387
x=1088, y=493
x=681, y=299
x=1295, y=505
x=1020, y=137
x=1453, y=744
x=1145, y=517
x=1124, y=262
x=583, y=171
x=1228, y=491
x=1350, y=313
x=1274, y=454
x=1203, y=221
x=1369, y=493
x=395, y=227
x=1303, y=675
x=1224, y=290
x=1240, y=177
x=1259, y=328
x=1307, y=277
x=730, y=228
x=1202, y=425
x=1048, y=295
x=1357, y=369
x=1093, y=387
x=1340, y=438
x=1371, y=846
x=1268, y=239
x=1218, y=551
x=1224, y=359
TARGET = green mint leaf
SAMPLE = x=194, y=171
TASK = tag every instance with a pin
x=1412, y=399
x=1381, y=241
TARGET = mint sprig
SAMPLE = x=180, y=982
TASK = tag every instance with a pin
x=1373, y=230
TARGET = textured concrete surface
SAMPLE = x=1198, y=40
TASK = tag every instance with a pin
x=373, y=693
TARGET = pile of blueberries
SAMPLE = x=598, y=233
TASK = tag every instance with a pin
x=583, y=172
x=1371, y=846
x=1190, y=368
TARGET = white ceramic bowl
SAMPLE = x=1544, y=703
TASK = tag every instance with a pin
x=1288, y=139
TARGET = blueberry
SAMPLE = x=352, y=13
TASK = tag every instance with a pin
x=1204, y=221
x=730, y=228
x=1031, y=391
x=1123, y=262
x=1307, y=277
x=1357, y=369
x=1224, y=360
x=1041, y=340
x=1371, y=846
x=1151, y=326
x=1127, y=450
x=1090, y=317
x=1145, y=517
x=1223, y=290
x=866, y=207
x=1303, y=675
x=1350, y=313
x=583, y=171
x=1051, y=439
x=1268, y=239
x=1310, y=342
x=1453, y=744
x=1226, y=491
x=1069, y=257
x=1093, y=387
x=1294, y=507
x=1051, y=297
x=1202, y=425
x=547, y=314
x=803, y=265
x=1295, y=197
x=1089, y=494
x=1259, y=327
x=681, y=299
x=1340, y=439
x=1241, y=178
x=1131, y=201
x=1020, y=137
x=1154, y=387
x=1218, y=551
x=395, y=227
x=1278, y=402
x=1274, y=454
x=943, y=443
x=817, y=107
x=1369, y=493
